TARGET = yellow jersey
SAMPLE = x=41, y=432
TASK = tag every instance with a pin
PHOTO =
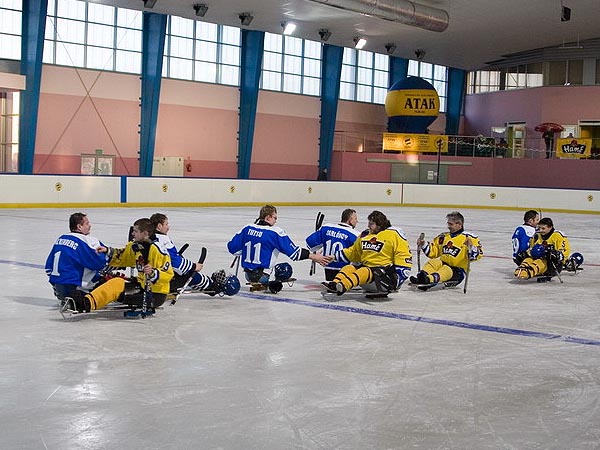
x=556, y=239
x=453, y=249
x=159, y=259
x=388, y=247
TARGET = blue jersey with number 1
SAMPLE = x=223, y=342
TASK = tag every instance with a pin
x=260, y=245
x=332, y=238
x=74, y=260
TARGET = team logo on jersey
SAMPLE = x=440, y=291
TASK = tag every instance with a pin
x=372, y=244
x=450, y=249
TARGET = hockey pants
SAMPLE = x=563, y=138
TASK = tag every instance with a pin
x=530, y=268
x=114, y=289
x=351, y=276
x=438, y=272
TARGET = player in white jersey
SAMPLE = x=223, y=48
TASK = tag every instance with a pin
x=332, y=238
x=183, y=268
x=521, y=238
x=74, y=262
x=258, y=246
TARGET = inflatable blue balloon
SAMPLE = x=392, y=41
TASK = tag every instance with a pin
x=411, y=105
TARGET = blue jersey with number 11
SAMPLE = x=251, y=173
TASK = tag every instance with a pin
x=260, y=245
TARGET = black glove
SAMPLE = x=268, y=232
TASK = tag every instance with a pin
x=555, y=257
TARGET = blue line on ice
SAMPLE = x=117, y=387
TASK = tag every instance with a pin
x=448, y=323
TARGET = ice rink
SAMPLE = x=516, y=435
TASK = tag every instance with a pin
x=505, y=366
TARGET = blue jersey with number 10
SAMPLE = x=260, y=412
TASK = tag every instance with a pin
x=332, y=238
x=260, y=245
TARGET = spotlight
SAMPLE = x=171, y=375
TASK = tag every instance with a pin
x=246, y=19
x=325, y=34
x=390, y=48
x=565, y=14
x=200, y=9
x=288, y=27
x=359, y=42
x=149, y=3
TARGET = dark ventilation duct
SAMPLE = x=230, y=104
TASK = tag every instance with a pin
x=402, y=11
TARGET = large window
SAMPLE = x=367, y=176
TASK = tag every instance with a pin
x=483, y=81
x=10, y=29
x=97, y=36
x=364, y=76
x=291, y=65
x=94, y=36
x=436, y=75
x=202, y=51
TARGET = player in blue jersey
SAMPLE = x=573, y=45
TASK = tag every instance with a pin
x=333, y=238
x=258, y=246
x=521, y=238
x=74, y=262
x=184, y=268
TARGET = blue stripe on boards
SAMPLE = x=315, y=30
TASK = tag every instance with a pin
x=448, y=323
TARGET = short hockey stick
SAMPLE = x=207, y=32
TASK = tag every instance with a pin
x=419, y=248
x=318, y=224
x=467, y=270
x=550, y=261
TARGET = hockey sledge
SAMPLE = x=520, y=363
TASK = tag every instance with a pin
x=114, y=309
x=433, y=286
x=358, y=293
x=258, y=287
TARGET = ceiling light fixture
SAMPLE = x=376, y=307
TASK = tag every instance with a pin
x=246, y=19
x=390, y=48
x=325, y=34
x=149, y=3
x=288, y=27
x=359, y=42
x=200, y=9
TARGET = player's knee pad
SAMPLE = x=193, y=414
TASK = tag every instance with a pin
x=283, y=272
x=458, y=275
x=385, y=279
x=254, y=275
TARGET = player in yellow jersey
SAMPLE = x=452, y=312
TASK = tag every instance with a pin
x=548, y=250
x=381, y=256
x=152, y=263
x=449, y=254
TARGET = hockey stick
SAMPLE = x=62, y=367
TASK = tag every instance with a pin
x=551, y=262
x=189, y=280
x=318, y=224
x=236, y=263
x=468, y=269
x=183, y=248
x=419, y=248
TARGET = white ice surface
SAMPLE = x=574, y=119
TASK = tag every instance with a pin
x=506, y=366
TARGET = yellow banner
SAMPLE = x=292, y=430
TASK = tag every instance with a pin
x=412, y=102
x=418, y=143
x=573, y=148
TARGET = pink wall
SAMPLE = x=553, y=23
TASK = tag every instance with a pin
x=561, y=104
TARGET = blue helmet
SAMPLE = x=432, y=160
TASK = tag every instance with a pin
x=538, y=251
x=578, y=258
x=283, y=272
x=231, y=285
